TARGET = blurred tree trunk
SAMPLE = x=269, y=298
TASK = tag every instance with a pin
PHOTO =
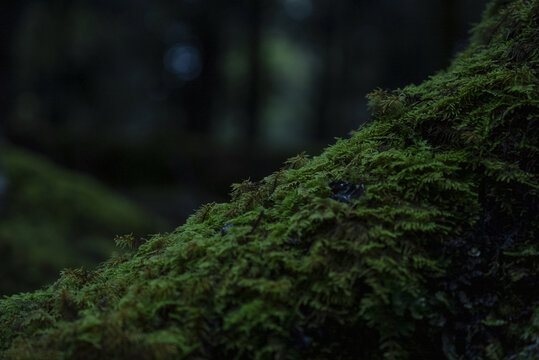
x=10, y=12
x=325, y=95
x=334, y=76
x=448, y=28
x=254, y=13
x=199, y=93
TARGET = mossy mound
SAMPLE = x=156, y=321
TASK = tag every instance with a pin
x=415, y=238
x=51, y=219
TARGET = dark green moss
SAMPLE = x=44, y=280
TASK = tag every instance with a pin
x=52, y=219
x=437, y=259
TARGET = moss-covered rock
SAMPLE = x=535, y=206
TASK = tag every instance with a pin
x=415, y=238
x=51, y=219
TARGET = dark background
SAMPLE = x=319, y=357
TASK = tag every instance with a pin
x=169, y=102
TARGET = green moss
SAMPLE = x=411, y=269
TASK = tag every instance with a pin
x=52, y=219
x=438, y=259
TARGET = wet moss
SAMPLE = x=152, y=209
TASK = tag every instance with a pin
x=436, y=259
x=52, y=219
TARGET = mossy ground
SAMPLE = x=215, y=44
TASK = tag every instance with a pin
x=437, y=258
x=52, y=219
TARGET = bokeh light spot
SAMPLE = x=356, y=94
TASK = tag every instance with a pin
x=184, y=61
x=298, y=9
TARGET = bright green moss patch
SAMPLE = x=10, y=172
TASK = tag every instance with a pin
x=51, y=219
x=438, y=258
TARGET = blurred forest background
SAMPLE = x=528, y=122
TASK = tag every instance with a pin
x=168, y=102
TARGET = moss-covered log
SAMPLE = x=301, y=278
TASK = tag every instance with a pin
x=414, y=238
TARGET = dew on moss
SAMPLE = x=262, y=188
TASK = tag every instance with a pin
x=344, y=191
x=292, y=240
x=225, y=228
